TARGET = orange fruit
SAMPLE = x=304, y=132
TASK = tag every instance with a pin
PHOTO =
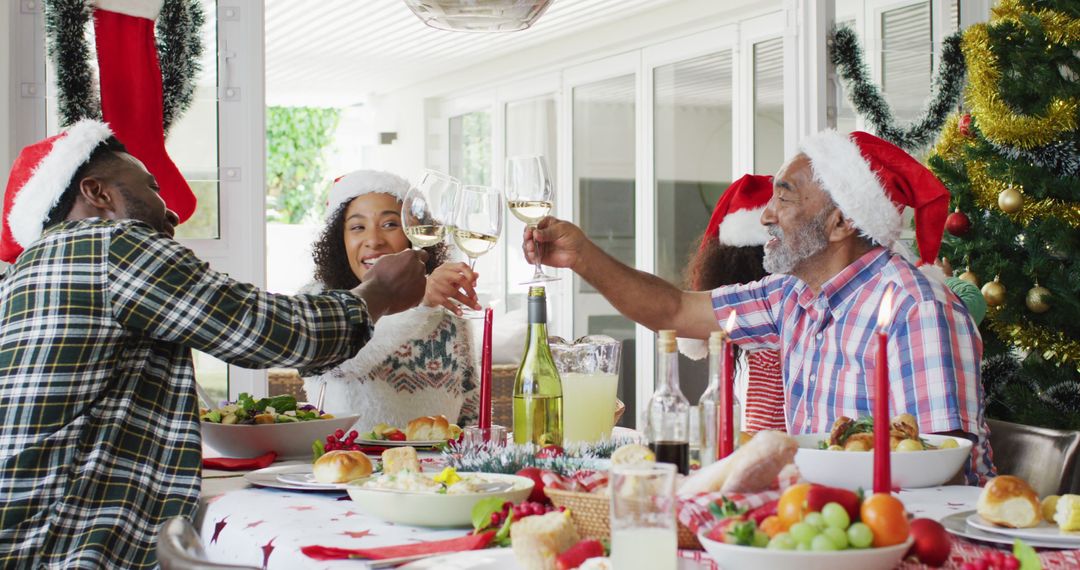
x=771, y=526
x=885, y=515
x=792, y=506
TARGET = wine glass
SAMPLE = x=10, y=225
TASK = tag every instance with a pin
x=428, y=208
x=477, y=222
x=530, y=197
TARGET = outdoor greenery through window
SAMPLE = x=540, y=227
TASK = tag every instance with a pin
x=296, y=181
x=470, y=147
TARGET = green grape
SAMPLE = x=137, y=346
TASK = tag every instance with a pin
x=835, y=516
x=860, y=535
x=761, y=540
x=815, y=520
x=822, y=543
x=782, y=541
x=802, y=532
x=838, y=537
x=803, y=546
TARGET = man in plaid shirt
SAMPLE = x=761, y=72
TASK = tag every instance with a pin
x=99, y=430
x=835, y=219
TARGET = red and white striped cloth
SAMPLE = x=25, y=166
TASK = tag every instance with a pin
x=764, y=400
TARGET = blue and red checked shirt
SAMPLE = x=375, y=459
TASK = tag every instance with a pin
x=828, y=348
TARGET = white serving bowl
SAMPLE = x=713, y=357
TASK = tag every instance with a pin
x=855, y=469
x=734, y=557
x=432, y=509
x=289, y=440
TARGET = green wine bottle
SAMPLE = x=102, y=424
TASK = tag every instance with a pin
x=538, y=411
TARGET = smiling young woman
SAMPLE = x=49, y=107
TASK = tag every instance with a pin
x=419, y=361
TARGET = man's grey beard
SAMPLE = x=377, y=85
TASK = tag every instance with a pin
x=807, y=241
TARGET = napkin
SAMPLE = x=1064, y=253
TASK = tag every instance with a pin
x=235, y=464
x=460, y=544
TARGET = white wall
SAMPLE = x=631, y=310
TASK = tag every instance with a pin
x=6, y=85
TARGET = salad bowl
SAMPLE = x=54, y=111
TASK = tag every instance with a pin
x=250, y=427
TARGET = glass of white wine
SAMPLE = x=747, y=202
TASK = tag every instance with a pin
x=530, y=196
x=428, y=208
x=477, y=223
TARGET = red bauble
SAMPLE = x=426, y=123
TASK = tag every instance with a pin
x=958, y=224
x=537, y=495
x=965, y=124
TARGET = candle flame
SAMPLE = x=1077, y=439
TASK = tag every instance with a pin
x=730, y=322
x=884, y=315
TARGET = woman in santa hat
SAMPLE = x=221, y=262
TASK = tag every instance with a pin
x=419, y=362
x=730, y=253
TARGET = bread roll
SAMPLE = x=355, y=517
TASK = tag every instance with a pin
x=539, y=539
x=341, y=467
x=428, y=428
x=1009, y=501
x=398, y=459
x=632, y=453
x=752, y=468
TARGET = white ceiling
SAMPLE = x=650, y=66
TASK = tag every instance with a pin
x=338, y=52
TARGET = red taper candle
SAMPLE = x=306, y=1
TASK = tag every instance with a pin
x=485, y=373
x=882, y=450
x=726, y=440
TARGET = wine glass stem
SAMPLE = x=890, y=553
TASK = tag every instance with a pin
x=539, y=253
x=472, y=263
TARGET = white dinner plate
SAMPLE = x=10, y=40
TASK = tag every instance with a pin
x=392, y=443
x=295, y=477
x=1044, y=532
x=956, y=523
x=489, y=559
x=433, y=509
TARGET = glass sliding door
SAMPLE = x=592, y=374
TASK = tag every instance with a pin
x=604, y=178
x=692, y=154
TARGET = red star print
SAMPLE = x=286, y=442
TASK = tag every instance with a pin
x=218, y=526
x=254, y=524
x=267, y=549
x=302, y=508
x=358, y=534
x=350, y=514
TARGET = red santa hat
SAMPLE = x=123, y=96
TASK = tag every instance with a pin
x=736, y=219
x=361, y=182
x=872, y=181
x=41, y=173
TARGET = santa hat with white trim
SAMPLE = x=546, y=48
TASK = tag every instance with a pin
x=735, y=221
x=39, y=177
x=872, y=181
x=361, y=182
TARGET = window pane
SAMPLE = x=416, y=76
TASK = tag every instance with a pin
x=470, y=148
x=212, y=374
x=692, y=133
x=530, y=129
x=906, y=58
x=604, y=171
x=768, y=106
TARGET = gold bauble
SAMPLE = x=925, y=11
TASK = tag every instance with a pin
x=994, y=293
x=1037, y=299
x=1010, y=200
x=970, y=277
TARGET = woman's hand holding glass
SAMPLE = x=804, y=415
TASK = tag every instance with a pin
x=451, y=285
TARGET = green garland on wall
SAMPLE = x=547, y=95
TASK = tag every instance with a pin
x=847, y=56
x=179, y=45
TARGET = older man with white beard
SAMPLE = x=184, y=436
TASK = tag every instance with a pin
x=835, y=220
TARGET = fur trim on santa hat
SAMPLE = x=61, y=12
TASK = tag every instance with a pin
x=361, y=182
x=148, y=9
x=51, y=177
x=840, y=168
x=743, y=228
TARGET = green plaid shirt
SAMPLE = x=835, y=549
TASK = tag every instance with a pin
x=99, y=432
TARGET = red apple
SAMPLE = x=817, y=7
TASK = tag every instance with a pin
x=932, y=542
x=537, y=495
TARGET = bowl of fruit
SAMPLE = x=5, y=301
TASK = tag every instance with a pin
x=812, y=527
x=250, y=427
x=840, y=459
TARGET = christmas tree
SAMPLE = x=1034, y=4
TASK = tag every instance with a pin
x=1012, y=164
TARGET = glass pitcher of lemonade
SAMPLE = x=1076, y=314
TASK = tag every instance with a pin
x=589, y=369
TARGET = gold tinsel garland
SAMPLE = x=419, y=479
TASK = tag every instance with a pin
x=1054, y=346
x=996, y=119
x=985, y=188
x=1059, y=28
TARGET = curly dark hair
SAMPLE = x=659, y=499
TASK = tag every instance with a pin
x=332, y=261
x=714, y=265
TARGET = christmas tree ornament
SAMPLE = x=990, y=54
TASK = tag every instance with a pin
x=1038, y=298
x=994, y=292
x=970, y=277
x=1010, y=200
x=964, y=124
x=958, y=223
